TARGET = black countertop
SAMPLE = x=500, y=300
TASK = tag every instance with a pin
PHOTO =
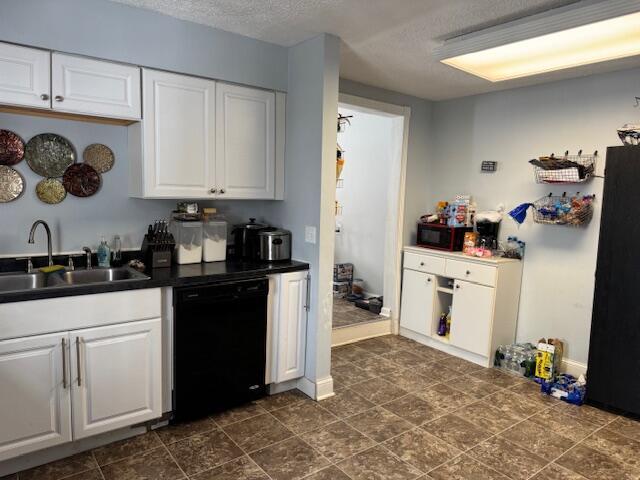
x=175, y=276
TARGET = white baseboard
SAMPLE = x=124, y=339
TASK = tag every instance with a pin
x=360, y=331
x=319, y=390
x=573, y=368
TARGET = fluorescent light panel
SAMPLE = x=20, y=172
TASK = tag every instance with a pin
x=609, y=39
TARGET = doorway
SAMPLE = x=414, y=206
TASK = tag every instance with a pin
x=370, y=166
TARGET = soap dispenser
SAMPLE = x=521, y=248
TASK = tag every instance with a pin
x=104, y=254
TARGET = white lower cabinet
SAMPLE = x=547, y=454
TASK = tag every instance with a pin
x=418, y=290
x=472, y=311
x=60, y=387
x=117, y=376
x=289, y=330
x=482, y=294
x=35, y=399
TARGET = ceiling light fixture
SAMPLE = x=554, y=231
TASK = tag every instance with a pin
x=580, y=34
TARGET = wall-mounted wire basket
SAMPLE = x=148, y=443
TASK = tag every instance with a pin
x=566, y=169
x=575, y=211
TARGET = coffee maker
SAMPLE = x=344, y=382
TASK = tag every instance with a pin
x=488, y=233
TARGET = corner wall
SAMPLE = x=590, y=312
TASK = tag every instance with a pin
x=312, y=109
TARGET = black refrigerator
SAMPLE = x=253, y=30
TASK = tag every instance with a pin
x=613, y=377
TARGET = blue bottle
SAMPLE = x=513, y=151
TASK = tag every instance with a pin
x=104, y=254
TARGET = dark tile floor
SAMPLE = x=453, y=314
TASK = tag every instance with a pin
x=401, y=411
x=346, y=314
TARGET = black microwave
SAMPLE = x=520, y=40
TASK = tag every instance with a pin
x=441, y=236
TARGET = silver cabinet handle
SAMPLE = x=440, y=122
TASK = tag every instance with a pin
x=64, y=363
x=213, y=190
x=79, y=364
x=44, y=96
x=58, y=98
x=307, y=307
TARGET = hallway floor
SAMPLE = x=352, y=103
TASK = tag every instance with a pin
x=346, y=314
x=401, y=411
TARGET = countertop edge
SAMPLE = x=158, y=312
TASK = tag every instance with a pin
x=156, y=280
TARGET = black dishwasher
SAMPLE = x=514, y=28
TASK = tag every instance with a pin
x=220, y=341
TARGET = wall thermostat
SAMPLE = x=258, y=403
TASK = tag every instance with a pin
x=489, y=166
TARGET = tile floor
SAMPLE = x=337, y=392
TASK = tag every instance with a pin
x=346, y=314
x=401, y=411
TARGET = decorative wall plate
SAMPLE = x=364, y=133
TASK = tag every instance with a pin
x=50, y=190
x=49, y=154
x=81, y=180
x=11, y=184
x=11, y=148
x=99, y=156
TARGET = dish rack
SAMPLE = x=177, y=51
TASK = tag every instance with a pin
x=566, y=169
x=574, y=211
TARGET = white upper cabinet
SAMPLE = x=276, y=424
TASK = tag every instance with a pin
x=95, y=87
x=205, y=139
x=245, y=142
x=25, y=76
x=177, y=159
x=35, y=404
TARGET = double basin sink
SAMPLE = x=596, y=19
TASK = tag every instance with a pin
x=15, y=282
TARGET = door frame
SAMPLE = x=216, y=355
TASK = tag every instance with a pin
x=392, y=262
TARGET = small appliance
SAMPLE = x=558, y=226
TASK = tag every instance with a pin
x=246, y=243
x=441, y=237
x=275, y=244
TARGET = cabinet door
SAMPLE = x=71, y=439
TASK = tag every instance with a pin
x=94, y=87
x=116, y=376
x=35, y=403
x=418, y=291
x=471, y=317
x=290, y=326
x=178, y=136
x=245, y=142
x=24, y=76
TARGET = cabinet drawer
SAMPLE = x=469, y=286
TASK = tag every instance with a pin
x=424, y=263
x=472, y=272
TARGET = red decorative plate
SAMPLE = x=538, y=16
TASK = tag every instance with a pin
x=11, y=148
x=81, y=180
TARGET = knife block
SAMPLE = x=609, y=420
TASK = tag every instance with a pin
x=157, y=255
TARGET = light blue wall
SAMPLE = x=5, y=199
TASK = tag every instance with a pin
x=76, y=221
x=122, y=33
x=312, y=107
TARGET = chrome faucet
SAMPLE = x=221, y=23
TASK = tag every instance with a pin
x=87, y=251
x=46, y=227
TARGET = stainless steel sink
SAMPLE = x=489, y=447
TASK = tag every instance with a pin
x=15, y=282
x=99, y=275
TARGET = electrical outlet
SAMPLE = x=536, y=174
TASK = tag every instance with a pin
x=310, y=234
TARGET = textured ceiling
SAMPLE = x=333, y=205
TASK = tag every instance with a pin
x=385, y=43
